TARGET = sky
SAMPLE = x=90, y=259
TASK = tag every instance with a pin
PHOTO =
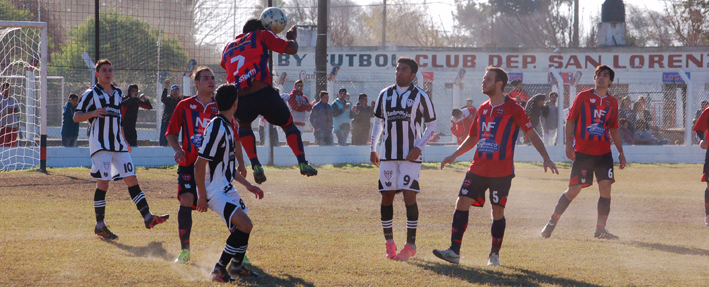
x=443, y=8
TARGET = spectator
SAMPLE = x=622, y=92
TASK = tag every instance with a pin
x=321, y=120
x=341, y=117
x=519, y=94
x=129, y=111
x=170, y=103
x=459, y=126
x=536, y=109
x=640, y=113
x=9, y=108
x=644, y=136
x=70, y=129
x=361, y=116
x=551, y=120
x=468, y=103
x=625, y=132
x=299, y=105
x=468, y=120
x=625, y=111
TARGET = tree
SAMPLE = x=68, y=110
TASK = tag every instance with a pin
x=130, y=44
x=407, y=25
x=688, y=21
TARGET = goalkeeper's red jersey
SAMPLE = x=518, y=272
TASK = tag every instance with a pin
x=246, y=58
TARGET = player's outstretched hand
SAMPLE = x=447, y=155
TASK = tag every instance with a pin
x=414, y=154
x=242, y=170
x=130, y=149
x=180, y=156
x=100, y=112
x=255, y=190
x=447, y=160
x=292, y=33
x=202, y=204
x=166, y=85
x=570, y=152
x=703, y=144
x=550, y=165
x=621, y=160
x=374, y=158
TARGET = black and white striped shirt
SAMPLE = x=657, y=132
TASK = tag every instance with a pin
x=403, y=116
x=218, y=148
x=104, y=133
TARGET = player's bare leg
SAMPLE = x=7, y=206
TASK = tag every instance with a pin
x=387, y=217
x=604, y=208
x=564, y=201
x=412, y=215
x=141, y=203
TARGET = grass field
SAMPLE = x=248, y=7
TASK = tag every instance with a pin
x=325, y=231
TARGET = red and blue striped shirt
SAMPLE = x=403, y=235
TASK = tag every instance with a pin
x=246, y=58
x=595, y=116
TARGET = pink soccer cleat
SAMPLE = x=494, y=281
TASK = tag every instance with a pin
x=391, y=249
x=405, y=253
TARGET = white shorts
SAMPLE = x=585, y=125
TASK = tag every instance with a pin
x=225, y=204
x=106, y=165
x=399, y=175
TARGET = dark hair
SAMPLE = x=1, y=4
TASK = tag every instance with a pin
x=515, y=82
x=532, y=103
x=623, y=121
x=5, y=85
x=101, y=63
x=225, y=96
x=298, y=81
x=73, y=96
x=456, y=112
x=411, y=62
x=554, y=94
x=500, y=75
x=196, y=73
x=324, y=93
x=362, y=95
x=342, y=90
x=601, y=68
x=253, y=24
x=131, y=87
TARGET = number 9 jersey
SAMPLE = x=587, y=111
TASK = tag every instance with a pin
x=246, y=58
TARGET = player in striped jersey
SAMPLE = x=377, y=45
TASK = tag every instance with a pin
x=494, y=132
x=110, y=154
x=246, y=62
x=214, y=171
x=401, y=110
x=592, y=122
x=191, y=117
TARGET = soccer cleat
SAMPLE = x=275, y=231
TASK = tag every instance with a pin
x=245, y=261
x=493, y=259
x=405, y=253
x=105, y=233
x=604, y=234
x=241, y=271
x=221, y=275
x=447, y=255
x=391, y=249
x=259, y=176
x=155, y=220
x=306, y=169
x=548, y=229
x=184, y=256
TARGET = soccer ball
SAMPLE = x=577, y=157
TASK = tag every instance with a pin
x=274, y=19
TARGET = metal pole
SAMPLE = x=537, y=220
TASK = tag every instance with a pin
x=43, y=54
x=576, y=23
x=96, y=27
x=384, y=24
x=321, y=49
x=269, y=126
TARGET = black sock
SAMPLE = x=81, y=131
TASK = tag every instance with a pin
x=706, y=202
x=560, y=208
x=412, y=220
x=604, y=208
x=460, y=223
x=235, y=249
x=498, y=232
x=100, y=204
x=387, y=212
x=139, y=199
x=184, y=225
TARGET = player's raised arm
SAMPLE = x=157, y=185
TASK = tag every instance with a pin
x=291, y=36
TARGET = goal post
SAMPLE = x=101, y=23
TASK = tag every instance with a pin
x=23, y=65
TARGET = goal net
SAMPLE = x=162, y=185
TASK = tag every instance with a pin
x=23, y=84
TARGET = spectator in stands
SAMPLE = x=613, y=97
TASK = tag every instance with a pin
x=468, y=120
x=321, y=120
x=625, y=132
x=299, y=105
x=519, y=94
x=625, y=111
x=536, y=109
x=70, y=129
x=640, y=113
x=468, y=103
x=551, y=119
x=129, y=108
x=9, y=108
x=644, y=136
x=341, y=117
x=459, y=128
x=170, y=103
x=361, y=116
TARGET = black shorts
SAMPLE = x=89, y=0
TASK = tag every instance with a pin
x=186, y=183
x=266, y=102
x=474, y=186
x=585, y=165
x=706, y=167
